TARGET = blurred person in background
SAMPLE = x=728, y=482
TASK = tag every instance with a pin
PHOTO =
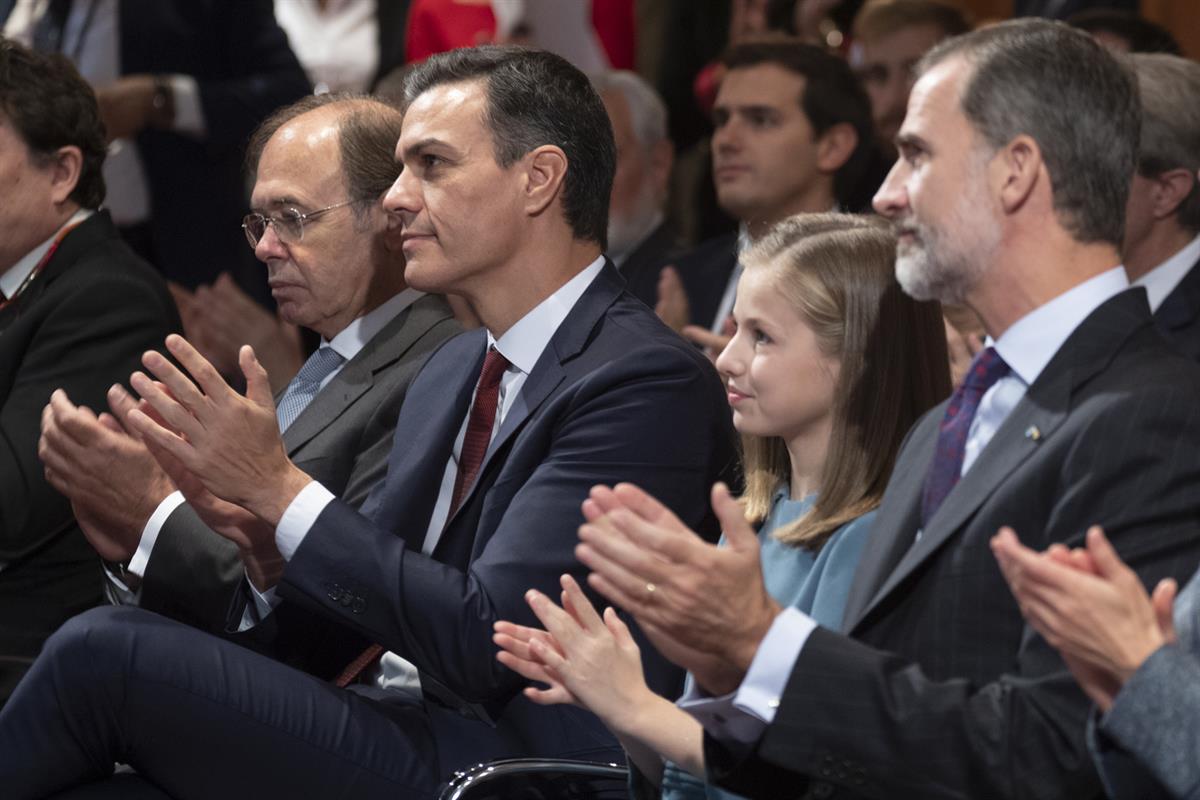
x=181, y=84
x=793, y=135
x=640, y=240
x=1162, y=221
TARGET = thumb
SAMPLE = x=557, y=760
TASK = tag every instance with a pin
x=738, y=532
x=258, y=385
x=1163, y=601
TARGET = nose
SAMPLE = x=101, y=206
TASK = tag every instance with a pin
x=402, y=200
x=269, y=246
x=892, y=198
x=726, y=138
x=730, y=363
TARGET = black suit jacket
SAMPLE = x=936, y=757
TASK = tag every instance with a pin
x=641, y=269
x=342, y=439
x=943, y=691
x=1179, y=314
x=245, y=70
x=615, y=396
x=705, y=271
x=81, y=325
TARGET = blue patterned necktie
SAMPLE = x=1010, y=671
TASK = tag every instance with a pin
x=987, y=368
x=306, y=384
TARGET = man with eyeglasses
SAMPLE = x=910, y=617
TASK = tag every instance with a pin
x=335, y=266
x=508, y=164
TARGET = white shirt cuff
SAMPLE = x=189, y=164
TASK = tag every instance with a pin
x=742, y=716
x=299, y=517
x=141, y=556
x=189, y=115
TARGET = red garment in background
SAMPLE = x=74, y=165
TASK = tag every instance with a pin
x=435, y=26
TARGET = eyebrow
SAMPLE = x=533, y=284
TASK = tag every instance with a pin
x=910, y=140
x=424, y=144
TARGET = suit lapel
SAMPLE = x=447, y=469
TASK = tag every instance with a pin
x=1034, y=420
x=358, y=376
x=549, y=371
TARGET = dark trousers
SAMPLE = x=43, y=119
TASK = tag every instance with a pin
x=200, y=717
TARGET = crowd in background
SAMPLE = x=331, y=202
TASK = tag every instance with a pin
x=848, y=349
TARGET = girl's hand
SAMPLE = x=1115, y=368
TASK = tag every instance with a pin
x=584, y=659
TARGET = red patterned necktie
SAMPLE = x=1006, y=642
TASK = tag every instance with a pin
x=480, y=422
x=987, y=368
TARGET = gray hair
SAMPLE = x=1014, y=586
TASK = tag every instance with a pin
x=1170, y=87
x=646, y=108
x=1057, y=85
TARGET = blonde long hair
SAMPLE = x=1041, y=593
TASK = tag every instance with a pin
x=838, y=272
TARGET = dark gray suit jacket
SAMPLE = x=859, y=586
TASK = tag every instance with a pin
x=342, y=439
x=943, y=691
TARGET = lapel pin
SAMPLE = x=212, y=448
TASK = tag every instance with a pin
x=1033, y=433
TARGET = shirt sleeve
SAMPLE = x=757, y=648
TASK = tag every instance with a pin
x=189, y=114
x=299, y=517
x=742, y=716
x=141, y=556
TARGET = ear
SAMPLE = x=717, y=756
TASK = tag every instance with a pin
x=835, y=146
x=1015, y=171
x=544, y=175
x=1171, y=188
x=65, y=166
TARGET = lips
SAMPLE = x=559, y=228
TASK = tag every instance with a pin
x=727, y=171
x=735, y=395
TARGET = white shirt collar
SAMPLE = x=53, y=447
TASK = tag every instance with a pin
x=15, y=275
x=524, y=342
x=1163, y=279
x=1029, y=343
x=351, y=339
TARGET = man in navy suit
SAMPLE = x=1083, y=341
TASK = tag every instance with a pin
x=508, y=159
x=1162, y=229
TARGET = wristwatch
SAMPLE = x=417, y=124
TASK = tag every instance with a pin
x=162, y=104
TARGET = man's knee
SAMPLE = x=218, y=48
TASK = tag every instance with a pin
x=96, y=641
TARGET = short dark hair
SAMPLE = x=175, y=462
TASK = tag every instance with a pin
x=368, y=130
x=1059, y=86
x=50, y=106
x=884, y=17
x=832, y=96
x=1170, y=87
x=1143, y=35
x=536, y=98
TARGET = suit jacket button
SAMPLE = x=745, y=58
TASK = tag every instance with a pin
x=358, y=606
x=822, y=789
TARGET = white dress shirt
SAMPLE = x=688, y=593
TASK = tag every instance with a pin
x=1027, y=347
x=338, y=45
x=522, y=344
x=12, y=278
x=1163, y=279
x=91, y=39
x=347, y=343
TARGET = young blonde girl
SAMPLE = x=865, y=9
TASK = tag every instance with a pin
x=830, y=365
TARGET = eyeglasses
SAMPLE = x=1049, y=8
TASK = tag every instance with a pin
x=289, y=224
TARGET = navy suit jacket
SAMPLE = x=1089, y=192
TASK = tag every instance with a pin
x=615, y=396
x=1179, y=315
